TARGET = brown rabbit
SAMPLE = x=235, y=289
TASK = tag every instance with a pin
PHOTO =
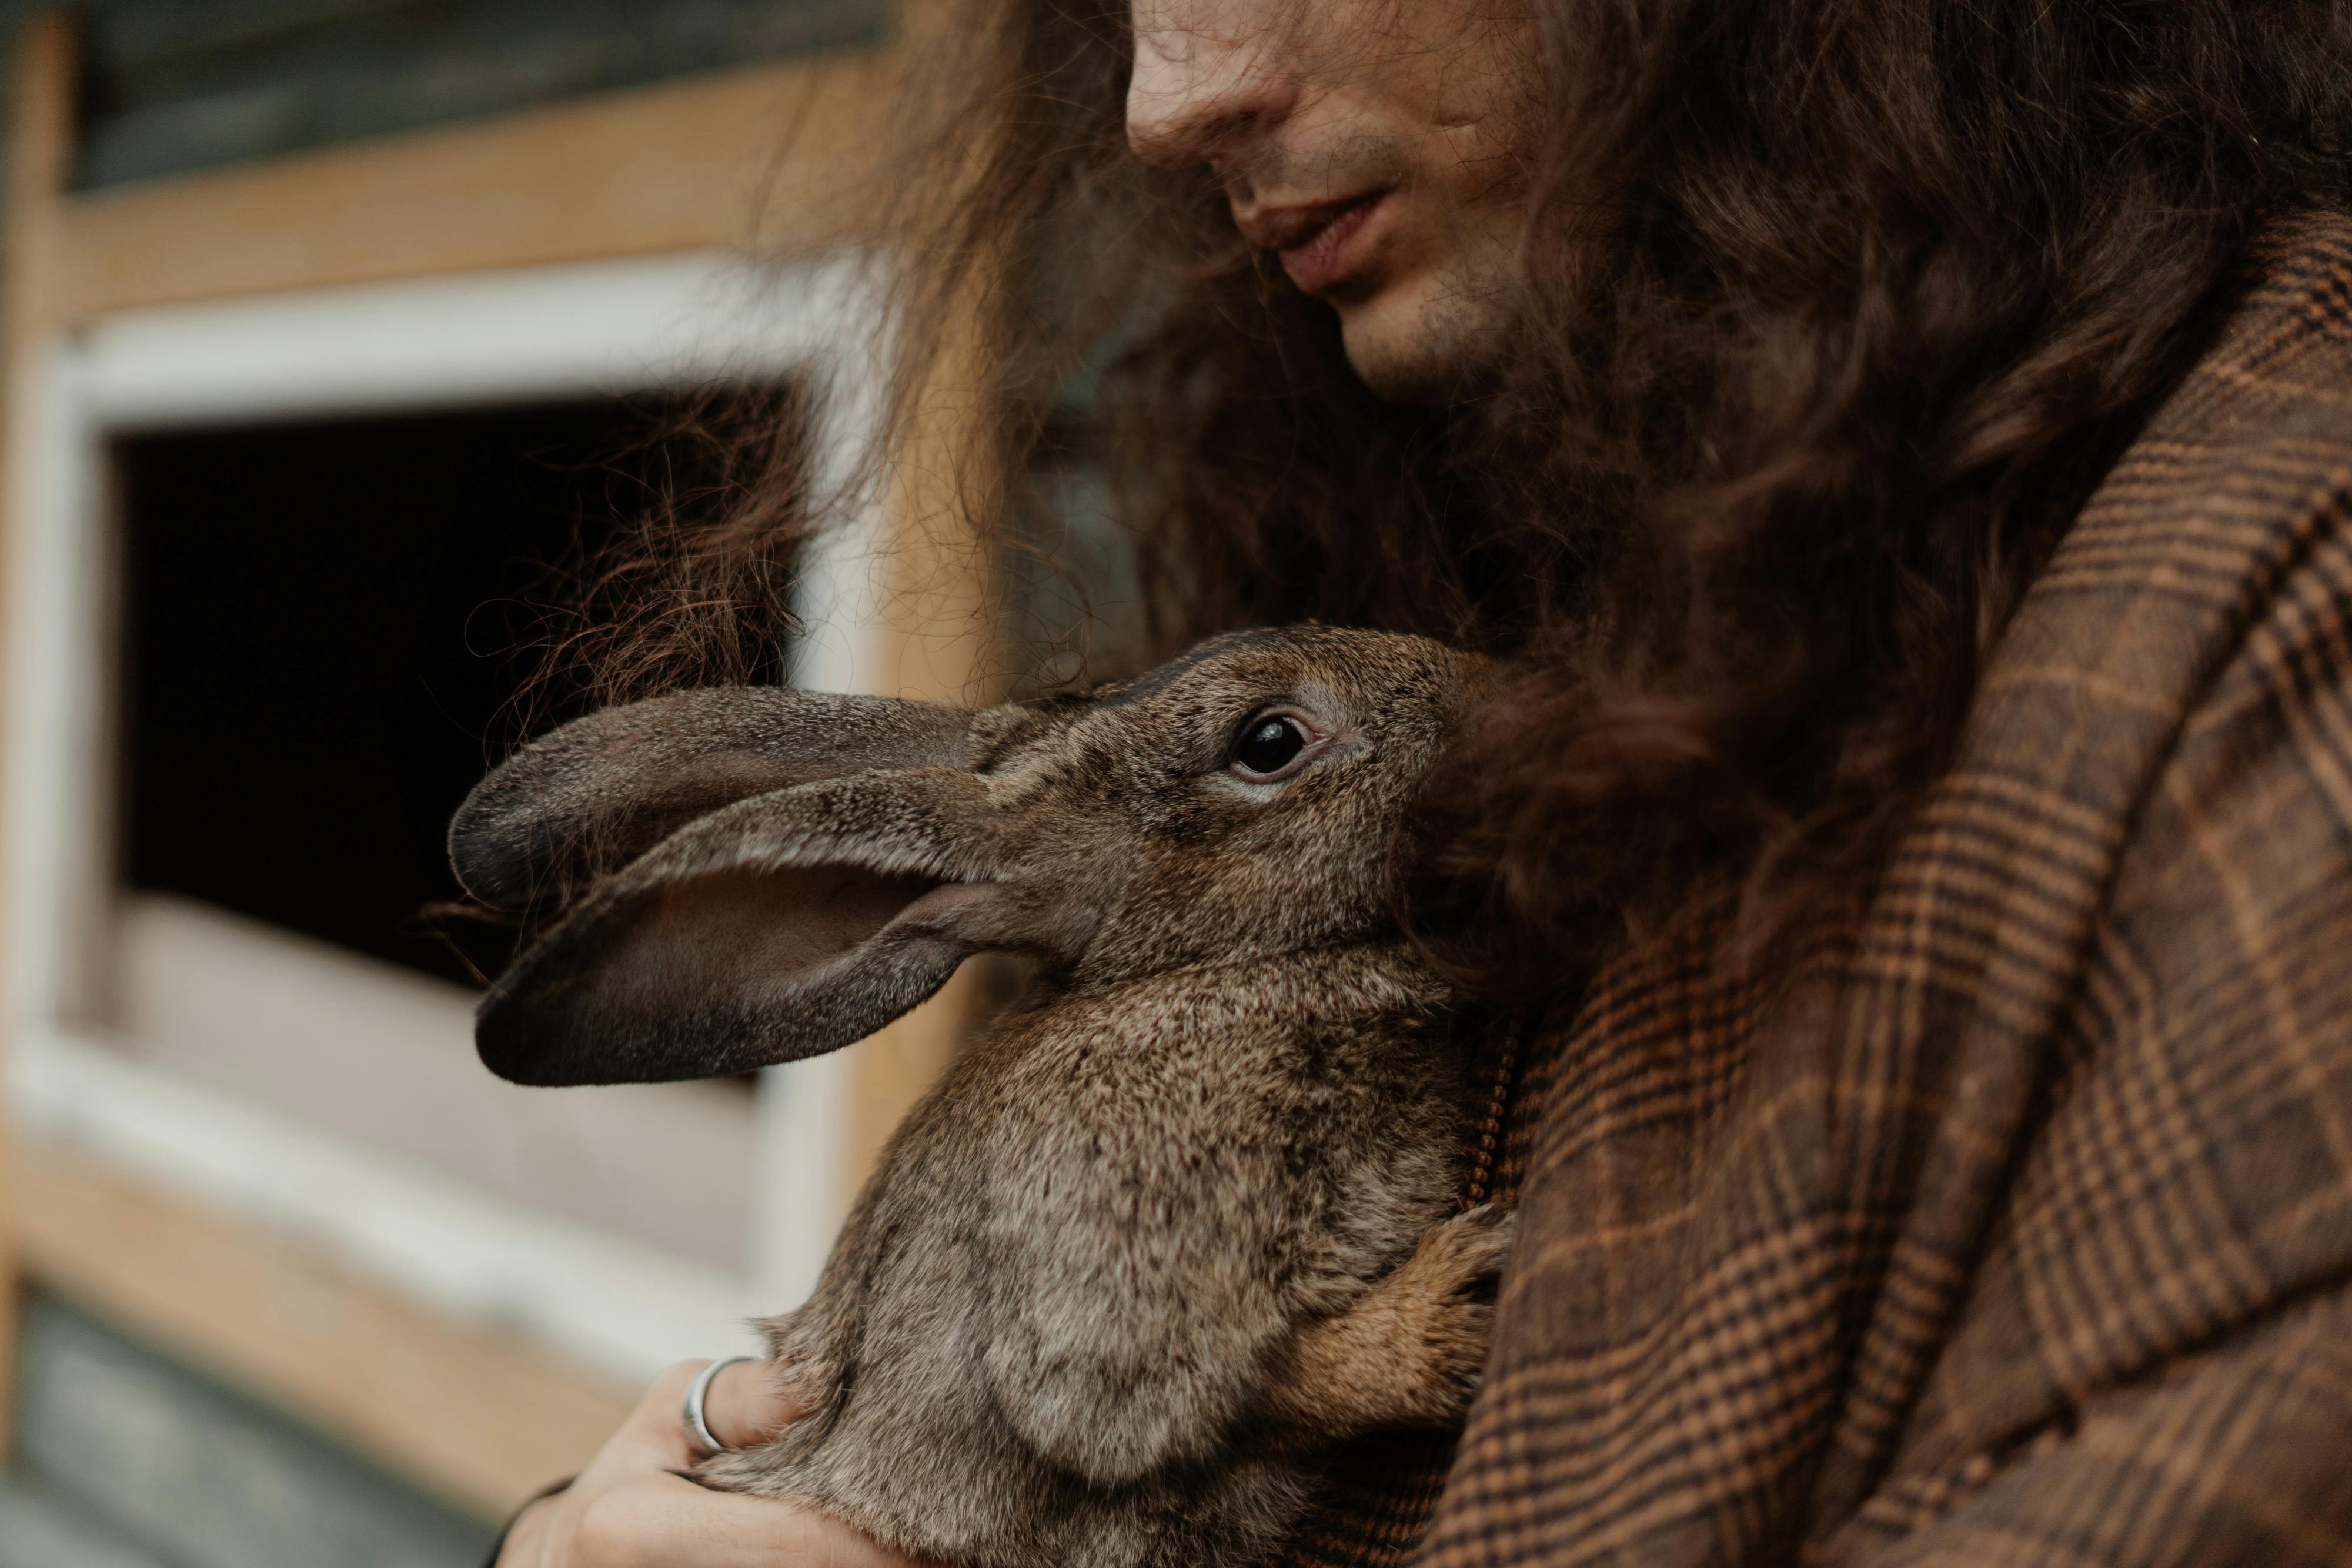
x=1179, y=1220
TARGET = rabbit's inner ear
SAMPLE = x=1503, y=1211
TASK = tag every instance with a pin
x=717, y=974
x=748, y=929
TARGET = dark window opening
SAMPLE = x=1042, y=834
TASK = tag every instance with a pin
x=324, y=628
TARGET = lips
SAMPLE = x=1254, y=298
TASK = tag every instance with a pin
x=1317, y=245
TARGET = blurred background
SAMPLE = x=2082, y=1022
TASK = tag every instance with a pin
x=331, y=326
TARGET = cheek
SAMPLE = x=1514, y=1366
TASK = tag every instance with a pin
x=1475, y=98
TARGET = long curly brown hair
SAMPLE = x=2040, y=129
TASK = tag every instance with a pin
x=1794, y=408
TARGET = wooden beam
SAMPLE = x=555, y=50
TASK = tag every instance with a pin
x=40, y=131
x=480, y=1419
x=942, y=647
x=777, y=154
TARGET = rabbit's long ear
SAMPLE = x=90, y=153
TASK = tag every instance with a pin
x=596, y=794
x=780, y=926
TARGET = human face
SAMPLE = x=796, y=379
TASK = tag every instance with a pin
x=1373, y=146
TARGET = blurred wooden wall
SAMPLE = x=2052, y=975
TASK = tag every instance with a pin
x=773, y=155
x=41, y=100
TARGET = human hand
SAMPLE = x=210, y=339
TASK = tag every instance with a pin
x=631, y=1509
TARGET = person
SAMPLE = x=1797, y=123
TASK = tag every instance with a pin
x=1903, y=449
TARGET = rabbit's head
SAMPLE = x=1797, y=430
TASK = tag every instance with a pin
x=789, y=871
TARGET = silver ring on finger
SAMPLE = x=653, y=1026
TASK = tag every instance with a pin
x=697, y=1424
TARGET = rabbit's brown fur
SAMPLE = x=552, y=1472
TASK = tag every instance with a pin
x=1178, y=1221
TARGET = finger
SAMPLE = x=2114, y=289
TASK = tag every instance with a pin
x=747, y=1403
x=659, y=1521
x=526, y=1542
x=653, y=1437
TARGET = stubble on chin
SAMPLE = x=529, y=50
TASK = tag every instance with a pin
x=1441, y=347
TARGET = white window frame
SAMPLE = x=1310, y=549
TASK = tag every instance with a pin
x=444, y=343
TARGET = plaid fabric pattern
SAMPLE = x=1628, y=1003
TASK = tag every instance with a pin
x=2016, y=1228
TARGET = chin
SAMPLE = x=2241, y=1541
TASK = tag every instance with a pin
x=1418, y=346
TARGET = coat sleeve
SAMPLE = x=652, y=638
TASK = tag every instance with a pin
x=2156, y=1362
x=2240, y=1455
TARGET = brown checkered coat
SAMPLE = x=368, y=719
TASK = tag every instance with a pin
x=2019, y=1229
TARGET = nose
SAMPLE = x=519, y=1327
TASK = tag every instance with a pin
x=1209, y=79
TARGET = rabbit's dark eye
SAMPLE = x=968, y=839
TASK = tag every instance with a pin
x=1269, y=744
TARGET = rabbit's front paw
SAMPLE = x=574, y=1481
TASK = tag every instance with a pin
x=1462, y=1256
x=1445, y=1296
x=1410, y=1350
